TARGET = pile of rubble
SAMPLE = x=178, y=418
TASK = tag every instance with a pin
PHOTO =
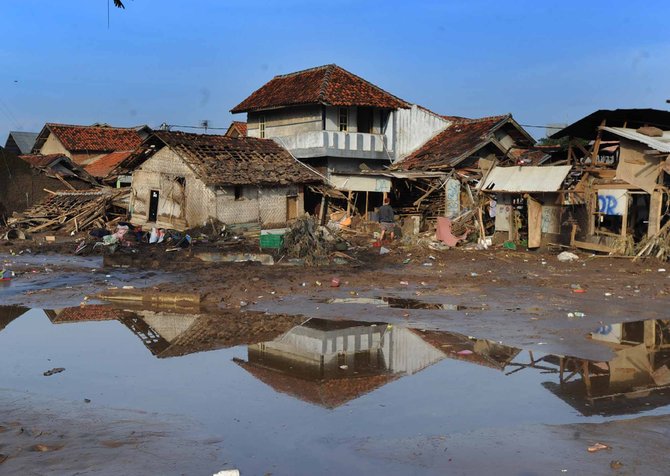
x=73, y=211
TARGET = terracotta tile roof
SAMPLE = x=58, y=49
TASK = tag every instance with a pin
x=92, y=312
x=9, y=313
x=329, y=84
x=452, y=145
x=481, y=352
x=94, y=138
x=228, y=329
x=324, y=393
x=42, y=161
x=103, y=166
x=239, y=127
x=220, y=160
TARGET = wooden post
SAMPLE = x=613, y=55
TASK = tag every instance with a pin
x=655, y=206
x=570, y=158
x=349, y=198
x=650, y=334
x=624, y=217
x=367, y=203
x=596, y=143
x=586, y=376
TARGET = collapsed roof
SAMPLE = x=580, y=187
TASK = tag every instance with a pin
x=329, y=85
x=587, y=127
x=219, y=160
x=462, y=139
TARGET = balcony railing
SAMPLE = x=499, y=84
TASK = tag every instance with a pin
x=337, y=144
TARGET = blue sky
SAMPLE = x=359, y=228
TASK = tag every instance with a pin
x=184, y=61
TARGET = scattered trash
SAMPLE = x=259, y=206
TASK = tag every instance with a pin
x=335, y=283
x=616, y=464
x=6, y=274
x=53, y=371
x=661, y=270
x=318, y=283
x=576, y=315
x=437, y=246
x=87, y=400
x=597, y=447
x=243, y=304
x=228, y=472
x=427, y=264
x=383, y=250
x=465, y=352
x=474, y=275
x=509, y=245
x=406, y=260
x=344, y=367
x=45, y=448
x=404, y=283
x=567, y=257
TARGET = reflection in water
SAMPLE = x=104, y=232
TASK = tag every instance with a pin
x=330, y=363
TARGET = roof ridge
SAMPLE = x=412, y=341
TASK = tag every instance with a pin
x=308, y=70
x=372, y=85
x=325, y=82
x=481, y=119
x=93, y=126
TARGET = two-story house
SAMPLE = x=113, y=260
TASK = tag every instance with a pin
x=339, y=123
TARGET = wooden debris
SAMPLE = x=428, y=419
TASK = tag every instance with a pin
x=71, y=211
x=657, y=245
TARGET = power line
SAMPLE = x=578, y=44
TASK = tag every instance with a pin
x=543, y=127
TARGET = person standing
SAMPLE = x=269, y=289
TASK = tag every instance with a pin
x=386, y=219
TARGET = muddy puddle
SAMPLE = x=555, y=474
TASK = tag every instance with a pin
x=287, y=394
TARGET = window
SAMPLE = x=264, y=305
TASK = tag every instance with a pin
x=238, y=192
x=344, y=119
x=261, y=127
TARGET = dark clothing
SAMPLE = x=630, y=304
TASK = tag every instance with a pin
x=385, y=214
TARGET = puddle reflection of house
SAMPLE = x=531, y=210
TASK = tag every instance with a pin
x=181, y=332
x=9, y=313
x=329, y=363
x=174, y=334
x=636, y=379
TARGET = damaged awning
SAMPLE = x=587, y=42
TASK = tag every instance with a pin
x=526, y=179
x=660, y=143
x=361, y=183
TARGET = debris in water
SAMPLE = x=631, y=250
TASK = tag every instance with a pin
x=597, y=447
x=567, y=257
x=53, y=371
x=616, y=464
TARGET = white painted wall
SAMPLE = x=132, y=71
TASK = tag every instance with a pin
x=415, y=126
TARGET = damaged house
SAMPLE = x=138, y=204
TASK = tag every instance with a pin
x=27, y=179
x=99, y=148
x=620, y=178
x=464, y=153
x=186, y=180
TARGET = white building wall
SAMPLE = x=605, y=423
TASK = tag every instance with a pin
x=286, y=121
x=414, y=127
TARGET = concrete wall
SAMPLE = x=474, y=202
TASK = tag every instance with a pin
x=286, y=121
x=415, y=126
x=197, y=203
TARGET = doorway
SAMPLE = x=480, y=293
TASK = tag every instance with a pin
x=364, y=120
x=153, y=205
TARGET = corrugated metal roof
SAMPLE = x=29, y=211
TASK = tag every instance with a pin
x=526, y=179
x=662, y=144
x=24, y=140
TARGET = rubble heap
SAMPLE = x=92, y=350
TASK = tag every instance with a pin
x=72, y=210
x=306, y=241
